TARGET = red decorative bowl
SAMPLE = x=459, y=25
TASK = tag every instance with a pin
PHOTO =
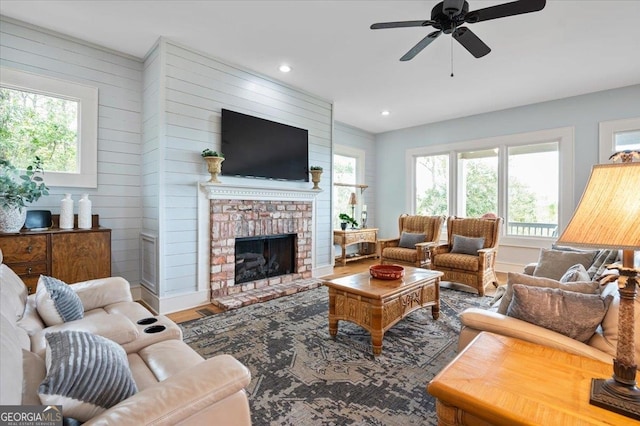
x=386, y=272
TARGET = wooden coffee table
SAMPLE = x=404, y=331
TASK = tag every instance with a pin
x=377, y=305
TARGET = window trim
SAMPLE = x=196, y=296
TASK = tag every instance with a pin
x=563, y=135
x=87, y=98
x=607, y=130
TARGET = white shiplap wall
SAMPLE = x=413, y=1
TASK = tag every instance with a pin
x=192, y=88
x=119, y=81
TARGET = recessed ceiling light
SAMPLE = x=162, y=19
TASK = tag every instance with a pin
x=385, y=113
x=284, y=68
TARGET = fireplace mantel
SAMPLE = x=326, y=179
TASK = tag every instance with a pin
x=246, y=192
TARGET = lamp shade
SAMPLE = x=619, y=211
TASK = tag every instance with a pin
x=608, y=215
x=352, y=199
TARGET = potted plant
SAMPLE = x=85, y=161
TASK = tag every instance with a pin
x=345, y=218
x=214, y=163
x=315, y=171
x=16, y=191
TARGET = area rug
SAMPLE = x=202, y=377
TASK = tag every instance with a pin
x=301, y=376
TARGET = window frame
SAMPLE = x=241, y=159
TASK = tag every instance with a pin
x=87, y=98
x=607, y=131
x=360, y=156
x=565, y=138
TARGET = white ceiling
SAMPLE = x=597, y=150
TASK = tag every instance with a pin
x=568, y=48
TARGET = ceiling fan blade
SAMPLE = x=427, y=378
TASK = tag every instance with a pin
x=421, y=45
x=401, y=24
x=471, y=42
x=502, y=10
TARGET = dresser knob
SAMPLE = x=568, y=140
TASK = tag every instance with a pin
x=29, y=270
x=29, y=249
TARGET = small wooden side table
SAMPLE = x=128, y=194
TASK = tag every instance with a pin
x=499, y=380
x=364, y=237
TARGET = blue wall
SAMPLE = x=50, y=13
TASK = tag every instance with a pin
x=584, y=113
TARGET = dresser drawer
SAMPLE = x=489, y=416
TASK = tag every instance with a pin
x=361, y=237
x=31, y=281
x=18, y=249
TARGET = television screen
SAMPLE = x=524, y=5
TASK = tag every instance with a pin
x=254, y=147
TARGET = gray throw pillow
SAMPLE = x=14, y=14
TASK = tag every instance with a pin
x=554, y=263
x=56, y=302
x=587, y=287
x=575, y=315
x=603, y=259
x=466, y=245
x=409, y=240
x=575, y=273
x=86, y=374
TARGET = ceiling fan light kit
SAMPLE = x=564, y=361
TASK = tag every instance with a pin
x=448, y=17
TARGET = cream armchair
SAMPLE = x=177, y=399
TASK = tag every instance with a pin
x=469, y=256
x=417, y=234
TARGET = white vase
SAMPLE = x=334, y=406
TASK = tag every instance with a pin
x=84, y=212
x=66, y=212
x=12, y=219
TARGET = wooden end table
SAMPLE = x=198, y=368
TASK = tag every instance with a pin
x=362, y=237
x=500, y=380
x=377, y=305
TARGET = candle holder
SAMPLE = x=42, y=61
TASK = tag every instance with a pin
x=364, y=219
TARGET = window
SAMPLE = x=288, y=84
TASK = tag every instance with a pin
x=619, y=135
x=348, y=170
x=432, y=185
x=500, y=175
x=53, y=119
x=532, y=206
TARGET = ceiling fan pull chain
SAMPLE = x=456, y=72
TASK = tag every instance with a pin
x=451, y=56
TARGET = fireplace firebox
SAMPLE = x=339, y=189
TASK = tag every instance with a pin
x=264, y=257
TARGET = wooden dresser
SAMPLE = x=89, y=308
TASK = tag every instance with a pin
x=70, y=255
x=366, y=238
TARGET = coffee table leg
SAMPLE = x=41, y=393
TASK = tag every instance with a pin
x=435, y=311
x=333, y=322
x=376, y=342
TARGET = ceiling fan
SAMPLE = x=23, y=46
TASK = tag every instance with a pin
x=448, y=16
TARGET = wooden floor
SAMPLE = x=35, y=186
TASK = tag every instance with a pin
x=338, y=271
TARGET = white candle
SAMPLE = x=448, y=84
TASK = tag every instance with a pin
x=364, y=207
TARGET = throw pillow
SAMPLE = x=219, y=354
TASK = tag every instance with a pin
x=600, y=263
x=86, y=374
x=466, y=245
x=554, y=263
x=409, y=240
x=56, y=302
x=587, y=287
x=575, y=273
x=575, y=315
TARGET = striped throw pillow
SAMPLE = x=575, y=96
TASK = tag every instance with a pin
x=56, y=302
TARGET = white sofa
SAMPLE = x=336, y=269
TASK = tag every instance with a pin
x=175, y=385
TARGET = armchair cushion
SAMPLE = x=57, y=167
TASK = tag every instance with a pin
x=467, y=245
x=86, y=374
x=554, y=263
x=587, y=287
x=573, y=314
x=409, y=240
x=465, y=262
x=56, y=302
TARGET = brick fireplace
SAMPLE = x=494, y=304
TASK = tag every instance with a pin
x=230, y=212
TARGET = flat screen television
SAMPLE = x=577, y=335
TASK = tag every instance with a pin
x=255, y=147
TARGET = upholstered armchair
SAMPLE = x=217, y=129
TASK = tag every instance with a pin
x=417, y=234
x=469, y=257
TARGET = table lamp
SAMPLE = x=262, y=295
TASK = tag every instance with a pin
x=353, y=201
x=608, y=216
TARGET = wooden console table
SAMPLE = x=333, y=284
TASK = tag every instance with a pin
x=71, y=255
x=499, y=380
x=364, y=237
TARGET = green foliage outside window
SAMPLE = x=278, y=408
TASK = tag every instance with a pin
x=33, y=124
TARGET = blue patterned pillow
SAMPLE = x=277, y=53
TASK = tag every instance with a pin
x=86, y=374
x=466, y=245
x=56, y=302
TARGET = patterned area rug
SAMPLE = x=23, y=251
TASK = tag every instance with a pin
x=301, y=376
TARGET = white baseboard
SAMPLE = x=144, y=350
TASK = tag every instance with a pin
x=321, y=271
x=167, y=305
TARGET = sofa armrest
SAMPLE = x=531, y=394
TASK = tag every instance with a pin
x=483, y=320
x=529, y=268
x=439, y=249
x=183, y=395
x=101, y=292
x=388, y=242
